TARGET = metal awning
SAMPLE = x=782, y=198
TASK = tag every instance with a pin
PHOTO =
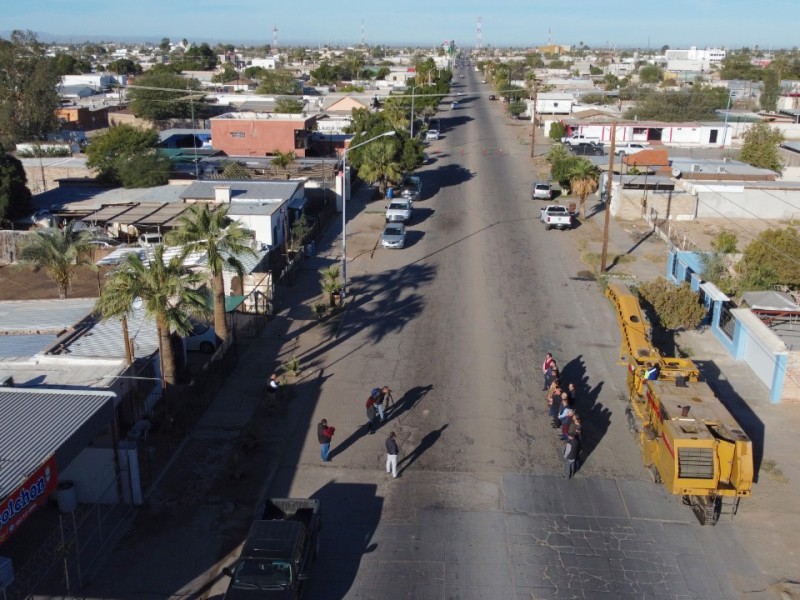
x=137, y=213
x=166, y=214
x=108, y=213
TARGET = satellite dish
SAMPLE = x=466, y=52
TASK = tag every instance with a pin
x=676, y=173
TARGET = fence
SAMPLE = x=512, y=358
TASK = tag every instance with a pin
x=667, y=232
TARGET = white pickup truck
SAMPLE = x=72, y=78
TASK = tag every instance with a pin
x=555, y=216
x=630, y=148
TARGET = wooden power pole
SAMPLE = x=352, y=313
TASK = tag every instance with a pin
x=608, y=196
x=533, y=116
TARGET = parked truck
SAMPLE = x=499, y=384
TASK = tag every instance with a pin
x=631, y=148
x=555, y=216
x=279, y=550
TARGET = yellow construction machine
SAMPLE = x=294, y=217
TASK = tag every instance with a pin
x=690, y=441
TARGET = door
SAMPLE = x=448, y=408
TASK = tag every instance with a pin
x=712, y=136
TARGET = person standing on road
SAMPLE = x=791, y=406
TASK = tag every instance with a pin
x=325, y=435
x=391, y=454
x=546, y=366
x=377, y=396
x=570, y=455
x=372, y=414
x=572, y=394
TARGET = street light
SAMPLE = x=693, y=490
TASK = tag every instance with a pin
x=344, y=205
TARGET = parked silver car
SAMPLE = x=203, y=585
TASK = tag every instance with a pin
x=394, y=235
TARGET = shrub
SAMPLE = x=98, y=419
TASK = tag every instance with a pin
x=725, y=242
x=676, y=306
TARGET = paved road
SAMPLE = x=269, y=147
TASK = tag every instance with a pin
x=458, y=323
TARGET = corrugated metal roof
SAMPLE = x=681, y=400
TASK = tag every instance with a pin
x=24, y=345
x=40, y=316
x=104, y=339
x=138, y=212
x=38, y=423
x=243, y=190
x=107, y=213
x=166, y=214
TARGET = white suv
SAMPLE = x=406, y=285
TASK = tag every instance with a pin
x=399, y=211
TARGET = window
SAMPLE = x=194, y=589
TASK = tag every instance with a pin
x=237, y=134
x=727, y=323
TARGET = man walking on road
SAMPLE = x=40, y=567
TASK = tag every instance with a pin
x=391, y=454
x=324, y=435
x=546, y=366
x=570, y=455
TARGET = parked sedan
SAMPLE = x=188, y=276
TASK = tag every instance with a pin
x=394, y=236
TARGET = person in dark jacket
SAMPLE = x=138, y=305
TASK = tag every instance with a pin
x=324, y=435
x=372, y=414
x=391, y=454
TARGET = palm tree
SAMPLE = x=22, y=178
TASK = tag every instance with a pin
x=330, y=282
x=379, y=163
x=59, y=254
x=583, y=179
x=282, y=160
x=168, y=292
x=221, y=240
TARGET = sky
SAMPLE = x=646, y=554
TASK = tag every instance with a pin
x=769, y=24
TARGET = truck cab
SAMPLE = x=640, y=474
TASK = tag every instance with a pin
x=278, y=553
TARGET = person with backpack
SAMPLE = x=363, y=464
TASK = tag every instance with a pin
x=372, y=414
x=377, y=396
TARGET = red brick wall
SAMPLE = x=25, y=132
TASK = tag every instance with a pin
x=256, y=137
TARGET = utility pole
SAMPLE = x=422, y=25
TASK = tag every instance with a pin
x=609, y=184
x=533, y=115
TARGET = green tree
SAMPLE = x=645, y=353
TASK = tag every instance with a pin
x=108, y=151
x=15, y=197
x=772, y=90
x=557, y=131
x=164, y=45
x=168, y=292
x=28, y=83
x=157, y=103
x=144, y=170
x=650, y=74
x=379, y=163
x=58, y=253
x=228, y=73
x=255, y=72
x=221, y=240
x=583, y=180
x=124, y=66
x=279, y=81
x=198, y=58
x=516, y=108
x=289, y=106
x=760, y=147
x=737, y=65
x=283, y=160
x=771, y=259
x=700, y=103
x=233, y=170
x=382, y=73
x=326, y=74
x=67, y=64
x=676, y=306
x=725, y=242
x=562, y=163
x=595, y=70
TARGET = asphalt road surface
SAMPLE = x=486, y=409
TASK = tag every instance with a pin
x=458, y=324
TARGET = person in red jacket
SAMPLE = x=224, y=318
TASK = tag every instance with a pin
x=325, y=435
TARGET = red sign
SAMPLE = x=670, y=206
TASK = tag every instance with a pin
x=19, y=505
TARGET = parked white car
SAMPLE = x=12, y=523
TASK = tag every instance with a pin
x=399, y=211
x=202, y=338
x=148, y=240
x=432, y=135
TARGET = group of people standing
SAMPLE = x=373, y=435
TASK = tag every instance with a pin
x=377, y=404
x=561, y=403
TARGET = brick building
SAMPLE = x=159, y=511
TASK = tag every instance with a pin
x=259, y=134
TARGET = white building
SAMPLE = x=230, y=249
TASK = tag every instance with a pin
x=693, y=59
x=269, y=63
x=95, y=80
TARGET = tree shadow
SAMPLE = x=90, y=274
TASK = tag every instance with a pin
x=739, y=409
x=429, y=440
x=595, y=416
x=447, y=176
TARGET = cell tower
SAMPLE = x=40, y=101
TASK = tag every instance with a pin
x=479, y=41
x=275, y=39
x=362, y=32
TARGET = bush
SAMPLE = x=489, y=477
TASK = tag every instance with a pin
x=725, y=242
x=676, y=306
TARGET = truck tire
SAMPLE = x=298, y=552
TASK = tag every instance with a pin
x=547, y=226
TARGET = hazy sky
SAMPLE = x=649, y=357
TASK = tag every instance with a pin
x=625, y=23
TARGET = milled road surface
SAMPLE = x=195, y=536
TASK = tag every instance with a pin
x=458, y=324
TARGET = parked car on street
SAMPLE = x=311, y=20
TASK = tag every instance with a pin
x=454, y=105
x=411, y=188
x=631, y=148
x=148, y=240
x=555, y=216
x=393, y=236
x=587, y=149
x=399, y=211
x=492, y=97
x=432, y=135
x=541, y=191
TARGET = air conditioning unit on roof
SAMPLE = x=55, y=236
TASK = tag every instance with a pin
x=696, y=168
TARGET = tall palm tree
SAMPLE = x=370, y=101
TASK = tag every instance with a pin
x=58, y=253
x=583, y=180
x=379, y=163
x=221, y=240
x=168, y=292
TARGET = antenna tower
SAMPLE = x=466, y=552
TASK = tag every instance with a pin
x=479, y=42
x=362, y=32
x=274, y=38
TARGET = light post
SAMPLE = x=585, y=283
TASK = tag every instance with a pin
x=413, y=87
x=344, y=205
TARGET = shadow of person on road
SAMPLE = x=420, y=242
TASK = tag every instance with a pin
x=426, y=442
x=407, y=402
x=337, y=449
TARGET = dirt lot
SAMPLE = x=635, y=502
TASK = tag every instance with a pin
x=18, y=282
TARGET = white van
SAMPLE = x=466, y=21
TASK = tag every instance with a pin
x=148, y=240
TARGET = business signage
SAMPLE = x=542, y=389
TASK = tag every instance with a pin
x=18, y=506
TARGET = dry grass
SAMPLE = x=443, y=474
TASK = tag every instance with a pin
x=593, y=259
x=770, y=466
